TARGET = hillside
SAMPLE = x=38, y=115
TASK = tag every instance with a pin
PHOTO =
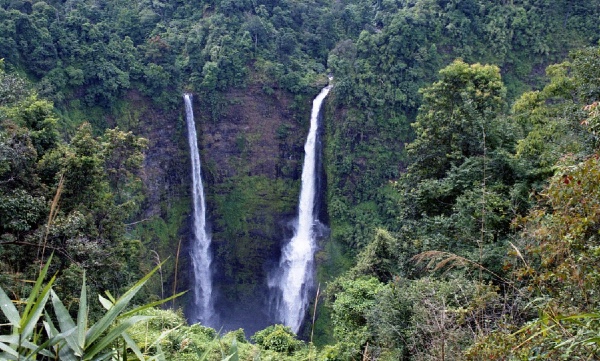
x=446, y=133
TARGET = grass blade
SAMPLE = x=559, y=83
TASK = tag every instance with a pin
x=107, y=304
x=66, y=323
x=133, y=346
x=36, y=307
x=82, y=315
x=9, y=339
x=36, y=288
x=9, y=352
x=150, y=305
x=104, y=323
x=114, y=333
x=160, y=355
x=9, y=310
x=234, y=348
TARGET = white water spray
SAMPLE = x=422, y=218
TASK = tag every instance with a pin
x=201, y=259
x=295, y=275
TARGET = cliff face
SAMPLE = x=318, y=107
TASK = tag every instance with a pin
x=166, y=163
x=251, y=146
x=252, y=153
x=256, y=134
x=162, y=222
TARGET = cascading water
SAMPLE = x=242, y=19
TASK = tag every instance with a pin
x=295, y=275
x=203, y=307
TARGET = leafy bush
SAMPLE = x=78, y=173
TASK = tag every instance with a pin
x=277, y=338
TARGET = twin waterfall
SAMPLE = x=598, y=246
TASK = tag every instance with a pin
x=200, y=253
x=295, y=276
x=293, y=279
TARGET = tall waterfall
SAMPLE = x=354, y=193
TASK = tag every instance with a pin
x=295, y=275
x=201, y=259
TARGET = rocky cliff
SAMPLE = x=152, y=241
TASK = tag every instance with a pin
x=251, y=144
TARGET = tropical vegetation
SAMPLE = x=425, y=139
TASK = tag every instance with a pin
x=461, y=176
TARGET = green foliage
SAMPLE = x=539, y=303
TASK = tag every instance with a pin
x=77, y=340
x=551, y=336
x=456, y=114
x=425, y=318
x=379, y=69
x=554, y=255
x=168, y=331
x=558, y=267
x=462, y=203
x=462, y=187
x=351, y=300
x=38, y=117
x=552, y=117
x=379, y=258
x=123, y=156
x=12, y=88
x=24, y=341
x=74, y=339
x=278, y=338
x=20, y=211
x=101, y=52
x=561, y=234
x=95, y=185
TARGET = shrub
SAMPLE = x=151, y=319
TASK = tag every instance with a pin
x=277, y=338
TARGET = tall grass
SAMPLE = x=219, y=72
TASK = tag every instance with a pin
x=33, y=334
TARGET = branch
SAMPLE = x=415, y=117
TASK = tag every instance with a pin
x=22, y=243
x=7, y=181
x=132, y=223
x=452, y=260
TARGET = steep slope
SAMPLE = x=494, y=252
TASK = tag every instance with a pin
x=252, y=155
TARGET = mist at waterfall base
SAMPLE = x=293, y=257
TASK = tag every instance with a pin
x=292, y=283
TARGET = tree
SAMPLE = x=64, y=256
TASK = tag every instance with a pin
x=38, y=117
x=461, y=185
x=456, y=114
x=561, y=235
x=351, y=300
x=556, y=261
x=82, y=167
x=553, y=118
x=12, y=88
x=555, y=256
x=123, y=156
x=427, y=318
x=94, y=185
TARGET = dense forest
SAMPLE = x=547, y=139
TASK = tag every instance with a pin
x=460, y=177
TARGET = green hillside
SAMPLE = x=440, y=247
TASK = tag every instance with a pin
x=460, y=170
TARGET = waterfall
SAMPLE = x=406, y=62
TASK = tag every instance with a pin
x=200, y=252
x=295, y=276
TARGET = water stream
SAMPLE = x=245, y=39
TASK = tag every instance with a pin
x=203, y=310
x=294, y=278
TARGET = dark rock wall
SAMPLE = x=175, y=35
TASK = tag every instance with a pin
x=252, y=155
x=251, y=152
